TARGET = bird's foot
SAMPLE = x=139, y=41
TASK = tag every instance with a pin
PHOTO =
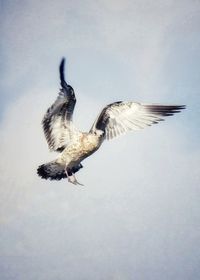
x=72, y=179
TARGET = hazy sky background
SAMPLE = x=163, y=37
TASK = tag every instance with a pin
x=138, y=216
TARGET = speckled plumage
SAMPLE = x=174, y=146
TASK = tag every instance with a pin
x=81, y=147
x=74, y=146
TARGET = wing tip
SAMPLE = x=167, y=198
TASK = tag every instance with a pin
x=165, y=110
x=62, y=75
x=62, y=63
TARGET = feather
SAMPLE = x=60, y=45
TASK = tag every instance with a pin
x=120, y=117
x=57, y=122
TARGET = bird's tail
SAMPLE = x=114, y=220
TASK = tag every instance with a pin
x=55, y=171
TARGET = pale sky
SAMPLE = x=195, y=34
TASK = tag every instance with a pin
x=138, y=216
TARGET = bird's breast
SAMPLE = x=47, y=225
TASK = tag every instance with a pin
x=89, y=143
x=81, y=148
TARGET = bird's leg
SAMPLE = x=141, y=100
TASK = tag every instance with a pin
x=71, y=177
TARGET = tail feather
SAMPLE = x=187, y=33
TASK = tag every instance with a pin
x=54, y=171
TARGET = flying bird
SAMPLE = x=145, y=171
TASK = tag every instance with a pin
x=74, y=145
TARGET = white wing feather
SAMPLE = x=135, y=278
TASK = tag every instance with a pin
x=121, y=117
x=57, y=124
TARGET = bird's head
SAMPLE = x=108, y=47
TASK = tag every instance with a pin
x=98, y=132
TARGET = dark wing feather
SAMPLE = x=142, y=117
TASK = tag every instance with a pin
x=120, y=117
x=57, y=122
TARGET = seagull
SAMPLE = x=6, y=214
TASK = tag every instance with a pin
x=74, y=145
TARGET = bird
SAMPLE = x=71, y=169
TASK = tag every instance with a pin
x=73, y=145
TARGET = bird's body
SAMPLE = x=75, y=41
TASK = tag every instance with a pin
x=81, y=147
x=74, y=146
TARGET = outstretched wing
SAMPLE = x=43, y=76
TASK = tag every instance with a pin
x=57, y=122
x=120, y=117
